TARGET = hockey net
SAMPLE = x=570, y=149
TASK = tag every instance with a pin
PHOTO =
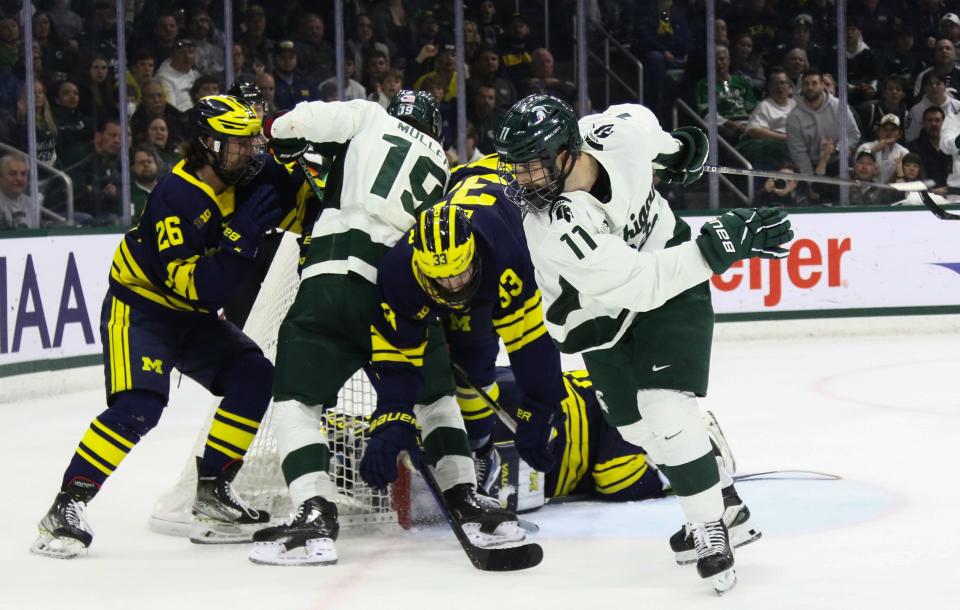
x=260, y=482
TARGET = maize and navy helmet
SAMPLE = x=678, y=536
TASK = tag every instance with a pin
x=225, y=116
x=444, y=246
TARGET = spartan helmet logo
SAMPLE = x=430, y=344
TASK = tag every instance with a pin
x=603, y=405
x=540, y=114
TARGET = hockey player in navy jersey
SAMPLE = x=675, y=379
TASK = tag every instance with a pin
x=194, y=243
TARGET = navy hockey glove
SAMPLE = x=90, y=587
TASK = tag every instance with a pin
x=685, y=166
x=533, y=436
x=257, y=213
x=285, y=150
x=390, y=433
x=744, y=233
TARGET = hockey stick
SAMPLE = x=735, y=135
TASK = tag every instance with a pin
x=461, y=378
x=490, y=560
x=903, y=187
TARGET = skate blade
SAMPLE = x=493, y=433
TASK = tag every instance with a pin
x=316, y=552
x=58, y=548
x=509, y=532
x=222, y=533
x=724, y=581
x=741, y=535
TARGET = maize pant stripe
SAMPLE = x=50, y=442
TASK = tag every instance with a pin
x=384, y=351
x=620, y=473
x=231, y=434
x=574, y=463
x=103, y=448
x=474, y=407
x=118, y=336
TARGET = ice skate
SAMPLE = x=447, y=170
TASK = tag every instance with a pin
x=64, y=531
x=714, y=555
x=482, y=518
x=220, y=516
x=486, y=464
x=307, y=540
x=736, y=518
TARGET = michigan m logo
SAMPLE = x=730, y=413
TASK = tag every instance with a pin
x=461, y=323
x=149, y=364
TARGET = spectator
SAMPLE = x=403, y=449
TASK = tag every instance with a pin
x=764, y=142
x=472, y=43
x=801, y=37
x=352, y=89
x=950, y=28
x=903, y=59
x=98, y=95
x=67, y=22
x=388, y=86
x=99, y=38
x=944, y=66
x=10, y=45
x=444, y=71
x=824, y=16
x=735, y=100
x=291, y=89
x=256, y=45
x=419, y=58
x=145, y=169
x=165, y=35
x=829, y=84
x=936, y=164
x=391, y=25
x=378, y=64
x=663, y=40
x=74, y=129
x=15, y=205
x=865, y=170
x=516, y=58
x=363, y=42
x=241, y=69
x=543, y=80
x=747, y=64
x=780, y=192
x=154, y=104
x=814, y=120
x=720, y=33
x=314, y=56
x=490, y=30
x=877, y=22
x=46, y=126
x=485, y=117
x=911, y=170
x=862, y=69
x=177, y=74
x=96, y=180
x=59, y=56
x=448, y=110
x=204, y=86
x=207, y=41
x=796, y=64
x=486, y=71
x=887, y=153
x=267, y=86
x=157, y=134
x=757, y=18
x=934, y=94
x=892, y=101
x=139, y=70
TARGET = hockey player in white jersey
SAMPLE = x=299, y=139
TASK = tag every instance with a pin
x=386, y=167
x=623, y=282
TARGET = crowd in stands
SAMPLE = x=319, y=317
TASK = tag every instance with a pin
x=775, y=61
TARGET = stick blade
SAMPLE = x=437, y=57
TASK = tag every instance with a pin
x=506, y=560
x=938, y=211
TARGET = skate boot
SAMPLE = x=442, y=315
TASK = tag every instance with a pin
x=307, y=540
x=714, y=554
x=481, y=517
x=736, y=518
x=486, y=464
x=64, y=532
x=220, y=516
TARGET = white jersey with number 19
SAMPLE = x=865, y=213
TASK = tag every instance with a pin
x=599, y=263
x=384, y=172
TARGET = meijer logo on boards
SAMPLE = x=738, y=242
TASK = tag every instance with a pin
x=808, y=264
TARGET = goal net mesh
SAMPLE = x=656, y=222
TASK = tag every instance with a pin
x=260, y=482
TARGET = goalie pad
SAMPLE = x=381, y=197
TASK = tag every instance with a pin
x=519, y=487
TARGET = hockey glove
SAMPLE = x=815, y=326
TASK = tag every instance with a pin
x=685, y=166
x=390, y=433
x=257, y=213
x=744, y=233
x=285, y=150
x=533, y=436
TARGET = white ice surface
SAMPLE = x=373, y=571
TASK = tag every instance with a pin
x=882, y=412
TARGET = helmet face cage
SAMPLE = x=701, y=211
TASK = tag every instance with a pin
x=444, y=256
x=231, y=123
x=224, y=155
x=533, y=133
